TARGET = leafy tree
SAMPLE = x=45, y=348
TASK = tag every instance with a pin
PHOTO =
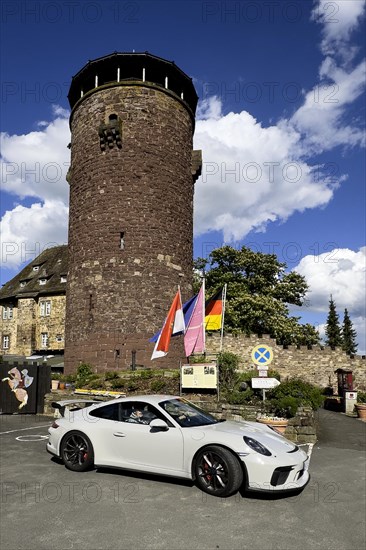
x=258, y=293
x=332, y=327
x=349, y=335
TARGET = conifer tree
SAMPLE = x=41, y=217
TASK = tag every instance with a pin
x=349, y=335
x=332, y=327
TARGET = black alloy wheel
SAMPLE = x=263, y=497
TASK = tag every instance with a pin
x=77, y=451
x=217, y=471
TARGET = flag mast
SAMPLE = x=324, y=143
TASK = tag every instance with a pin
x=204, y=312
x=223, y=315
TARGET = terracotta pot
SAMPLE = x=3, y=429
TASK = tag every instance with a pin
x=361, y=410
x=280, y=425
x=61, y=386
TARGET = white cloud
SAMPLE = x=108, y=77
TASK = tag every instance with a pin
x=340, y=272
x=251, y=175
x=210, y=108
x=36, y=164
x=339, y=19
x=25, y=232
x=320, y=119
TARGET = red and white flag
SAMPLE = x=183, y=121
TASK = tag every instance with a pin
x=173, y=323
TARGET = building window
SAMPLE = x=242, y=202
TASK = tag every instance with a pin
x=7, y=312
x=42, y=281
x=44, y=339
x=45, y=308
x=36, y=268
x=23, y=283
x=122, y=240
x=6, y=342
x=59, y=338
x=63, y=278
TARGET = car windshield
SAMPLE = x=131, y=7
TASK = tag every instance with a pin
x=186, y=414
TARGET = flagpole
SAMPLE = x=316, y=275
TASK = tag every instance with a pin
x=223, y=316
x=204, y=313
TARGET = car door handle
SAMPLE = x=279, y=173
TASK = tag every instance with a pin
x=119, y=434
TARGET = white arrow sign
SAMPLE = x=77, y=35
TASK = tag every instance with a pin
x=265, y=383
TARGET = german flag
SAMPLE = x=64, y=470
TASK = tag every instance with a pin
x=214, y=311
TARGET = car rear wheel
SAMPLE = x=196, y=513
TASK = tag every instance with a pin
x=77, y=451
x=217, y=471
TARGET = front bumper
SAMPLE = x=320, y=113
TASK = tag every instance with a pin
x=277, y=474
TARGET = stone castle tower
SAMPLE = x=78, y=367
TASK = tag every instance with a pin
x=131, y=182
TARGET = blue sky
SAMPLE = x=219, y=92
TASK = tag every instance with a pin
x=280, y=123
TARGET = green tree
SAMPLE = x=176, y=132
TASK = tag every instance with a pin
x=258, y=293
x=349, y=335
x=332, y=327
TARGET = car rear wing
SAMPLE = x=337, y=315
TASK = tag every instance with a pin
x=64, y=408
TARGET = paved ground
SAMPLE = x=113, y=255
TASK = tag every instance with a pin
x=46, y=506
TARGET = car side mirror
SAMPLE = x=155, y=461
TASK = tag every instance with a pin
x=159, y=425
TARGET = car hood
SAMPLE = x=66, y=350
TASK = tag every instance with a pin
x=260, y=432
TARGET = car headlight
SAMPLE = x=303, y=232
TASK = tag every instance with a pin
x=256, y=446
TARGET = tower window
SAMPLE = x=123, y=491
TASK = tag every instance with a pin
x=6, y=341
x=113, y=117
x=122, y=240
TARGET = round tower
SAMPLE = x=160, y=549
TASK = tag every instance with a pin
x=131, y=179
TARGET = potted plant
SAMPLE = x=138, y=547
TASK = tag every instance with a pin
x=361, y=405
x=62, y=382
x=277, y=422
x=55, y=380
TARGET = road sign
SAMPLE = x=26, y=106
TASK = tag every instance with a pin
x=262, y=373
x=262, y=355
x=265, y=383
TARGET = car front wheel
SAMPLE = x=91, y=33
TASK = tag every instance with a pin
x=77, y=451
x=217, y=471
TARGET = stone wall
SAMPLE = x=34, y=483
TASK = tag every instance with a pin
x=314, y=365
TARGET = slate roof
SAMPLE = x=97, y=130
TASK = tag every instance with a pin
x=52, y=264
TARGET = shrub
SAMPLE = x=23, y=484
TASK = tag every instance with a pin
x=96, y=384
x=117, y=384
x=158, y=385
x=111, y=375
x=228, y=364
x=284, y=407
x=146, y=374
x=303, y=392
x=197, y=359
x=240, y=397
x=361, y=397
x=84, y=370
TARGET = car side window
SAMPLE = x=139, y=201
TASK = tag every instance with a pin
x=136, y=412
x=109, y=412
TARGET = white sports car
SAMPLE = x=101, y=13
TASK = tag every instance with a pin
x=167, y=435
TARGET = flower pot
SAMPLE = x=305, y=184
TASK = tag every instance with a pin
x=361, y=410
x=280, y=425
x=61, y=386
x=54, y=385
